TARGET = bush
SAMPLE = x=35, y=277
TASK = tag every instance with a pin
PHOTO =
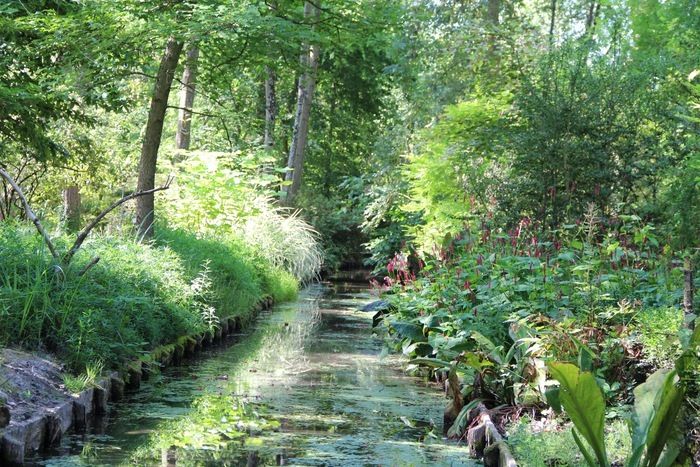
x=657, y=330
x=494, y=306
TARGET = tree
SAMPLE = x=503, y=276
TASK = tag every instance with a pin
x=71, y=208
x=187, y=93
x=145, y=205
x=271, y=108
x=305, y=93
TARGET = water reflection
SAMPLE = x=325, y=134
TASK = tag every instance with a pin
x=311, y=368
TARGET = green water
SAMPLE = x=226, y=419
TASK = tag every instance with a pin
x=313, y=369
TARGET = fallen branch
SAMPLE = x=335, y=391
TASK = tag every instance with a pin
x=86, y=231
x=30, y=213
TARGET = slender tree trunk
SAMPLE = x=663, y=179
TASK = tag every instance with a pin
x=493, y=13
x=688, y=291
x=553, y=15
x=187, y=92
x=592, y=16
x=71, y=208
x=305, y=92
x=151, y=141
x=270, y=108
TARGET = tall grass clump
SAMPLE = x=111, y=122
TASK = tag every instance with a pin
x=228, y=200
x=239, y=275
x=285, y=240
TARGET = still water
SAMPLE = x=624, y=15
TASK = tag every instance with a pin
x=314, y=368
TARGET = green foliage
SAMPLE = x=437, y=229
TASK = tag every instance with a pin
x=337, y=217
x=494, y=306
x=656, y=407
x=583, y=401
x=534, y=445
x=229, y=264
x=89, y=379
x=653, y=424
x=136, y=298
x=657, y=330
x=219, y=195
x=451, y=176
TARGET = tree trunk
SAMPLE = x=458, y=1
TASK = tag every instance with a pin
x=494, y=11
x=553, y=13
x=305, y=92
x=688, y=292
x=71, y=208
x=187, y=91
x=592, y=16
x=493, y=14
x=151, y=141
x=270, y=108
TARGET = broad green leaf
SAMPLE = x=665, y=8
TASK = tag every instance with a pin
x=410, y=330
x=583, y=401
x=431, y=362
x=656, y=406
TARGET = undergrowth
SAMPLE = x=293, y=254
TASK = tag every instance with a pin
x=136, y=298
x=534, y=445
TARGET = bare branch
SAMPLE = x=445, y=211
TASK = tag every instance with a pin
x=89, y=265
x=194, y=112
x=86, y=231
x=30, y=214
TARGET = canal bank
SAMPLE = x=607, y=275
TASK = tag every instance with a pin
x=325, y=391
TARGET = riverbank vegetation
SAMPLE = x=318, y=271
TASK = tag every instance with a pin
x=522, y=177
x=543, y=267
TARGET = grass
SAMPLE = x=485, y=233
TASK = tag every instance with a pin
x=554, y=444
x=286, y=240
x=136, y=298
x=76, y=384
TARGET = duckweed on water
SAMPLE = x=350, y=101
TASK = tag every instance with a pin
x=215, y=420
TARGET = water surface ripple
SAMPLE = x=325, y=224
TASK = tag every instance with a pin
x=319, y=371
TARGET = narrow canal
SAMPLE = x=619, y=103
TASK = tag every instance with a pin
x=324, y=389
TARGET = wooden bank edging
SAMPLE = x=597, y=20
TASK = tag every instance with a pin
x=46, y=429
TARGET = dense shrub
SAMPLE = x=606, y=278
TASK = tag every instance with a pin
x=494, y=306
